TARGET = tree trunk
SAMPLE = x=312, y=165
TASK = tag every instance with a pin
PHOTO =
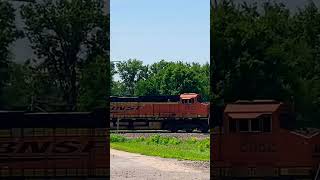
x=73, y=89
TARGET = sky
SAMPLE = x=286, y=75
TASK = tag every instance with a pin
x=151, y=30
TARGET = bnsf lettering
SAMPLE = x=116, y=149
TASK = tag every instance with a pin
x=34, y=147
x=125, y=108
x=88, y=147
x=257, y=148
x=7, y=147
x=45, y=147
x=66, y=147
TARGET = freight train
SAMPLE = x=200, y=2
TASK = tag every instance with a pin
x=257, y=140
x=182, y=112
x=61, y=145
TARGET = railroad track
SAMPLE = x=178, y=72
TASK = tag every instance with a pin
x=153, y=131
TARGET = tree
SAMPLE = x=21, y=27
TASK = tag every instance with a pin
x=170, y=78
x=8, y=34
x=67, y=35
x=93, y=89
x=17, y=91
x=131, y=72
x=267, y=54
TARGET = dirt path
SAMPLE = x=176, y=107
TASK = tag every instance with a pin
x=131, y=166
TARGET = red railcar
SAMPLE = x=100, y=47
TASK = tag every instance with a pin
x=54, y=146
x=255, y=141
x=160, y=112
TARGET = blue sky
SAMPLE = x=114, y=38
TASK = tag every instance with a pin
x=151, y=30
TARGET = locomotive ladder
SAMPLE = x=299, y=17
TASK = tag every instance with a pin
x=317, y=175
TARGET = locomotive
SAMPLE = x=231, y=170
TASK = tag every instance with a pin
x=182, y=112
x=257, y=139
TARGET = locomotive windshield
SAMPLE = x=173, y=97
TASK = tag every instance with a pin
x=187, y=101
x=259, y=124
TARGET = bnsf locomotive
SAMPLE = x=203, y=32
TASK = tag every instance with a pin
x=256, y=140
x=184, y=112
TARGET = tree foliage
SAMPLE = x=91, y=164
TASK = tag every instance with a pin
x=268, y=53
x=67, y=36
x=131, y=72
x=8, y=34
x=161, y=78
x=93, y=92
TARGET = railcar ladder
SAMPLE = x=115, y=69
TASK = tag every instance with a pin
x=317, y=174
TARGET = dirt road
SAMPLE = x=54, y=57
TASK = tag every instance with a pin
x=139, y=167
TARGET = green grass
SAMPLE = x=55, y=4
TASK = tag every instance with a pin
x=166, y=147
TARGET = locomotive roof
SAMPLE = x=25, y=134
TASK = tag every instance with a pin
x=146, y=99
x=260, y=106
x=188, y=95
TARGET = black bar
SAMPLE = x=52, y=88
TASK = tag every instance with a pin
x=95, y=119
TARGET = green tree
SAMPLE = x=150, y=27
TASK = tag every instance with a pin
x=169, y=78
x=17, y=90
x=93, y=81
x=268, y=54
x=131, y=72
x=8, y=34
x=67, y=36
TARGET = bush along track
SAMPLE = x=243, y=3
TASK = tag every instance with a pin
x=166, y=147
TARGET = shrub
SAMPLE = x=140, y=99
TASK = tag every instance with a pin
x=117, y=138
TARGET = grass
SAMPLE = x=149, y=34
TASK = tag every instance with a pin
x=166, y=147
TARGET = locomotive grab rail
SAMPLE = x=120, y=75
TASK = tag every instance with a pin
x=317, y=175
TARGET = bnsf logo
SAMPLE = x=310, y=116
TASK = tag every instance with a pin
x=46, y=147
x=125, y=108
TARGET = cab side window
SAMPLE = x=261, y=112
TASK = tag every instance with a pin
x=256, y=125
x=232, y=125
x=187, y=101
x=267, y=124
x=243, y=125
x=261, y=124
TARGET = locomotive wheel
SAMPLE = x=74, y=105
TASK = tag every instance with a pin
x=204, y=130
x=174, y=129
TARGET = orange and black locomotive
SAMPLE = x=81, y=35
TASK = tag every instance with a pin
x=182, y=112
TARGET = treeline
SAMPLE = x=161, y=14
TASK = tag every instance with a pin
x=267, y=53
x=70, y=70
x=133, y=78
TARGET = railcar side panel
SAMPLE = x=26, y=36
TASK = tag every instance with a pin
x=52, y=145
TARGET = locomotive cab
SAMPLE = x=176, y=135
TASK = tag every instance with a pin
x=190, y=98
x=258, y=141
x=258, y=116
